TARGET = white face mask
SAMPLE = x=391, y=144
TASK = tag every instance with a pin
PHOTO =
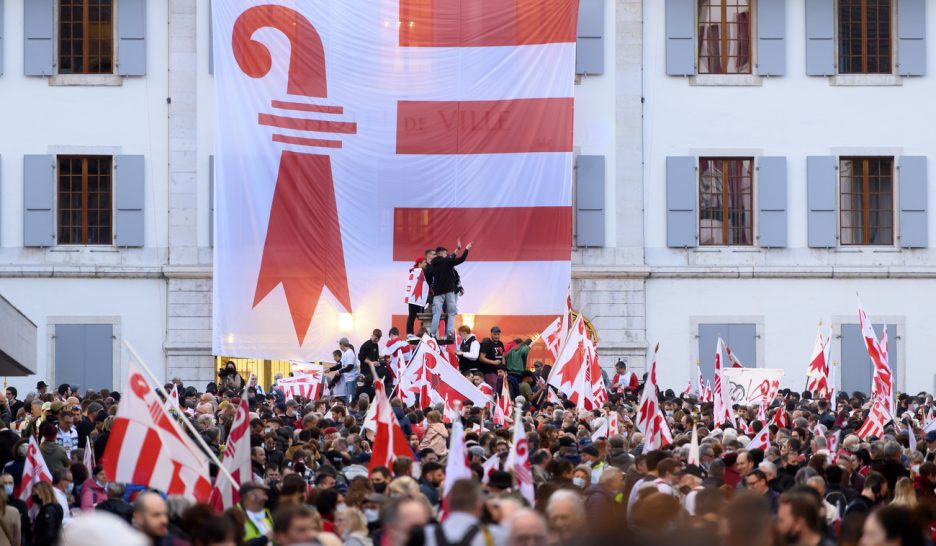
x=371, y=515
x=578, y=482
x=340, y=507
x=915, y=468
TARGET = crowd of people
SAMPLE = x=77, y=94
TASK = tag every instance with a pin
x=313, y=482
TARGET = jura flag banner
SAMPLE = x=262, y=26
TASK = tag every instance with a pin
x=352, y=136
x=752, y=386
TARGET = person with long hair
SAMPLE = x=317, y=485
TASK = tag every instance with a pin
x=48, y=523
x=352, y=527
x=904, y=495
x=892, y=525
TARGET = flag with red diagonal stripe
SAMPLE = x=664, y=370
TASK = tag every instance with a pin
x=882, y=379
x=88, y=458
x=353, y=135
x=389, y=441
x=34, y=471
x=519, y=461
x=456, y=466
x=817, y=373
x=236, y=460
x=147, y=447
x=874, y=423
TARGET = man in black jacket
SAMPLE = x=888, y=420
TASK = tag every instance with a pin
x=445, y=288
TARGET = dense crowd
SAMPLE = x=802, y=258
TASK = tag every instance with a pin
x=313, y=483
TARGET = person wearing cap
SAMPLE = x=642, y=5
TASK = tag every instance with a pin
x=492, y=356
x=445, y=288
x=348, y=371
x=369, y=353
x=416, y=295
x=930, y=456
x=258, y=521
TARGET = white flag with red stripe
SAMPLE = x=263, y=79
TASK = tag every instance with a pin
x=817, y=373
x=306, y=385
x=882, y=380
x=650, y=419
x=456, y=466
x=723, y=411
x=147, y=447
x=417, y=289
x=89, y=456
x=430, y=375
x=873, y=425
x=761, y=440
x=236, y=460
x=172, y=403
x=576, y=373
x=553, y=336
x=400, y=352
x=34, y=471
x=454, y=101
x=519, y=460
x=707, y=395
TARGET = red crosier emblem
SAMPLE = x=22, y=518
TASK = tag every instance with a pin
x=303, y=248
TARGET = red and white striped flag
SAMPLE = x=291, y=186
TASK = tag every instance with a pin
x=553, y=335
x=650, y=419
x=34, y=471
x=456, y=466
x=305, y=385
x=430, y=375
x=519, y=460
x=614, y=423
x=576, y=373
x=761, y=441
x=873, y=425
x=707, y=395
x=172, y=403
x=723, y=413
x=781, y=418
x=417, y=289
x=882, y=380
x=89, y=456
x=688, y=390
x=389, y=440
x=762, y=413
x=400, y=352
x=817, y=374
x=502, y=407
x=147, y=447
x=236, y=460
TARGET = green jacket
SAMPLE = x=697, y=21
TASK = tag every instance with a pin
x=250, y=528
x=515, y=361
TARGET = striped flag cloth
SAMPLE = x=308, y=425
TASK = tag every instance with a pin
x=172, y=403
x=456, y=466
x=882, y=379
x=874, y=422
x=147, y=447
x=389, y=441
x=34, y=471
x=817, y=374
x=304, y=385
x=89, y=456
x=236, y=460
x=520, y=461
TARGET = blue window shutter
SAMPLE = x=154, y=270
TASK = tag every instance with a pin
x=680, y=37
x=772, y=201
x=708, y=337
x=211, y=205
x=820, y=37
x=681, y=217
x=210, y=40
x=590, y=200
x=821, y=178
x=38, y=200
x=589, y=43
x=856, y=364
x=1, y=36
x=913, y=195
x=130, y=200
x=38, y=21
x=131, y=33
x=911, y=29
x=771, y=37
x=742, y=339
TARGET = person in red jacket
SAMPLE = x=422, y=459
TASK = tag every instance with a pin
x=623, y=380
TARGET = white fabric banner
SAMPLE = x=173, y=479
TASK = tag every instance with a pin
x=752, y=386
x=352, y=136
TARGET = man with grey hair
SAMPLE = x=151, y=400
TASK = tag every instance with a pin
x=818, y=483
x=889, y=464
x=566, y=513
x=526, y=527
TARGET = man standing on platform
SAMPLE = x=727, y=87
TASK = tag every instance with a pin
x=348, y=370
x=492, y=356
x=445, y=289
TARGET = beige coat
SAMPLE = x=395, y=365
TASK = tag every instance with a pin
x=436, y=439
x=11, y=522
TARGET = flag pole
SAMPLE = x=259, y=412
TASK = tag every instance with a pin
x=185, y=421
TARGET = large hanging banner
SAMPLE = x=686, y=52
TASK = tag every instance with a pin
x=353, y=135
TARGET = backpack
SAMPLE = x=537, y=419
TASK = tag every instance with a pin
x=838, y=500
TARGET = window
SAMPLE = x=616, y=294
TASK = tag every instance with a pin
x=867, y=197
x=725, y=36
x=864, y=36
x=726, y=192
x=856, y=367
x=84, y=200
x=86, y=37
x=741, y=338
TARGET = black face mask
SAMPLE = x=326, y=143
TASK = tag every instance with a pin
x=380, y=487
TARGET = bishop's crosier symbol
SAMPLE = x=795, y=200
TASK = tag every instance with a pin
x=303, y=248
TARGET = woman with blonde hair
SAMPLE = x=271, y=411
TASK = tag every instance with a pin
x=352, y=526
x=48, y=524
x=436, y=437
x=904, y=495
x=404, y=486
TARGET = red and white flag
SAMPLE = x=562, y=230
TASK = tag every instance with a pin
x=576, y=373
x=503, y=407
x=882, y=380
x=929, y=421
x=819, y=433
x=707, y=395
x=781, y=418
x=456, y=466
x=400, y=352
x=417, y=289
x=817, y=374
x=147, y=447
x=761, y=441
x=693, y=457
x=762, y=413
x=519, y=460
x=833, y=442
x=553, y=336
x=389, y=440
x=723, y=412
x=873, y=425
x=236, y=460
x=430, y=375
x=34, y=471
x=650, y=419
x=172, y=403
x=89, y=456
x=454, y=104
x=306, y=385
x=688, y=390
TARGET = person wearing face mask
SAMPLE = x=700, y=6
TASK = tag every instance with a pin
x=380, y=478
x=94, y=489
x=63, y=487
x=799, y=520
x=258, y=521
x=20, y=506
x=370, y=507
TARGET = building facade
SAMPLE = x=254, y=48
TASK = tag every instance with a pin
x=744, y=167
